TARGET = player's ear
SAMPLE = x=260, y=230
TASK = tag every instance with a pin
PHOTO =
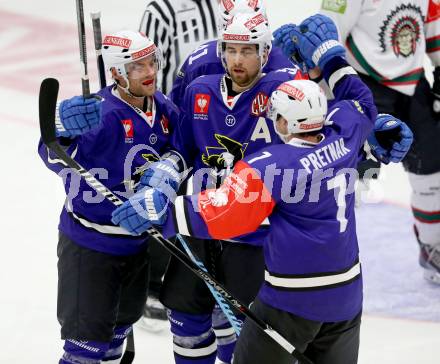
x=117, y=77
x=114, y=72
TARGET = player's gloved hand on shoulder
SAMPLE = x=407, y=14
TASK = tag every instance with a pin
x=317, y=41
x=142, y=210
x=390, y=140
x=162, y=175
x=78, y=116
x=436, y=93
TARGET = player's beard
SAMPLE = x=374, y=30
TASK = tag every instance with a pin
x=243, y=79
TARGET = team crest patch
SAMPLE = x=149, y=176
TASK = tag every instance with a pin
x=336, y=6
x=128, y=130
x=259, y=104
x=201, y=106
x=225, y=154
x=401, y=30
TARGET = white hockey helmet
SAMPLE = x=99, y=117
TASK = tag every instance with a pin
x=251, y=28
x=302, y=103
x=127, y=46
x=229, y=8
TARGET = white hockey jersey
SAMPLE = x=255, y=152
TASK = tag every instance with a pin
x=388, y=39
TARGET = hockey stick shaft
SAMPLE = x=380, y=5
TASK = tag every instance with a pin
x=97, y=37
x=235, y=322
x=47, y=104
x=82, y=48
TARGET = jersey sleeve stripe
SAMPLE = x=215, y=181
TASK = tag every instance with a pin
x=339, y=74
x=310, y=281
x=180, y=216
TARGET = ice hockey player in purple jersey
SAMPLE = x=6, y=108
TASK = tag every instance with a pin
x=205, y=60
x=312, y=291
x=224, y=119
x=103, y=269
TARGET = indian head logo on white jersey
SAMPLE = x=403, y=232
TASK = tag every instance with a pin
x=402, y=29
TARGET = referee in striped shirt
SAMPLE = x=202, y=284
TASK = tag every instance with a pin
x=178, y=27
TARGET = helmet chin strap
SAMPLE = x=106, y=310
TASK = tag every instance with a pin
x=126, y=89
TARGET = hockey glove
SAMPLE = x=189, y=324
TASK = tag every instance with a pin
x=78, y=115
x=145, y=208
x=162, y=175
x=436, y=93
x=283, y=39
x=317, y=41
x=390, y=139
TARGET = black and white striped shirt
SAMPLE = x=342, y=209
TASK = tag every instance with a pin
x=178, y=27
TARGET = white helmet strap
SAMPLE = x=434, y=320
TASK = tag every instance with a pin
x=126, y=89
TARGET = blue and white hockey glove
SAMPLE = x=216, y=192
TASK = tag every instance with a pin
x=317, y=41
x=283, y=39
x=78, y=116
x=390, y=140
x=145, y=208
x=162, y=175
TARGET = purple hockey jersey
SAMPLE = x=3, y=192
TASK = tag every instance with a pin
x=116, y=152
x=205, y=61
x=215, y=131
x=307, y=192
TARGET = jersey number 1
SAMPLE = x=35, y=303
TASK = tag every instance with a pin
x=339, y=184
x=195, y=55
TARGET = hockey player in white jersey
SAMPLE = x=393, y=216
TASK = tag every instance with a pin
x=387, y=42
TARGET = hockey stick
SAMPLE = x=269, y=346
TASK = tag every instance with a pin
x=129, y=350
x=82, y=48
x=47, y=104
x=235, y=322
x=97, y=36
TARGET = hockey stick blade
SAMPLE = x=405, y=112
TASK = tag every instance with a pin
x=47, y=108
